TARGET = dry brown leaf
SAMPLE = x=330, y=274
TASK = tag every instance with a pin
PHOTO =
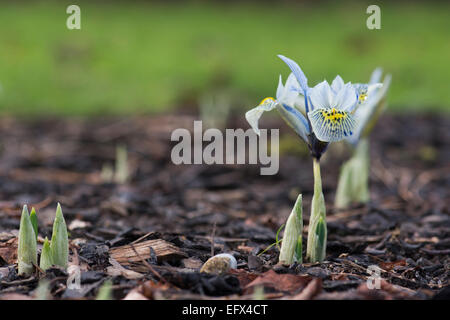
x=387, y=291
x=149, y=288
x=243, y=276
x=391, y=265
x=313, y=288
x=8, y=250
x=135, y=295
x=14, y=296
x=289, y=283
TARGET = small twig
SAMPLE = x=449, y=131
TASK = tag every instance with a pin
x=43, y=203
x=156, y=273
x=75, y=256
x=18, y=282
x=213, y=233
x=143, y=237
x=38, y=269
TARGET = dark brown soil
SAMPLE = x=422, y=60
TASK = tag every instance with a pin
x=404, y=230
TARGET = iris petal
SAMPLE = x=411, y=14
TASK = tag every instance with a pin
x=330, y=125
x=295, y=119
x=367, y=114
x=376, y=75
x=321, y=96
x=254, y=114
x=291, y=93
x=337, y=84
x=346, y=98
x=297, y=71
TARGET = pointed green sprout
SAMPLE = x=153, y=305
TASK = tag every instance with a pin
x=317, y=231
x=46, y=256
x=34, y=222
x=122, y=170
x=27, y=252
x=291, y=247
x=59, y=246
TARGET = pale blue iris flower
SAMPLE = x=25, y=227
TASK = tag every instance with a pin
x=319, y=115
x=371, y=100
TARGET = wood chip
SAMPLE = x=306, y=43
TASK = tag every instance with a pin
x=126, y=255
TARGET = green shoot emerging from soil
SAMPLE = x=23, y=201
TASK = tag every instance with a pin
x=46, y=256
x=291, y=247
x=55, y=252
x=34, y=222
x=59, y=245
x=27, y=253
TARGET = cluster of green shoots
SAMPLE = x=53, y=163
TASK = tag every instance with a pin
x=54, y=252
x=291, y=245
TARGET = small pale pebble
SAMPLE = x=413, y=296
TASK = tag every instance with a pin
x=219, y=264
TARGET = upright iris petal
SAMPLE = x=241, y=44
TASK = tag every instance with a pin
x=297, y=71
x=337, y=84
x=331, y=119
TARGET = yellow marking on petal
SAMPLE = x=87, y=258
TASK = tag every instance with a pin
x=362, y=97
x=267, y=99
x=333, y=115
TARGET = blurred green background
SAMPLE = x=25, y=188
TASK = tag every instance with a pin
x=136, y=56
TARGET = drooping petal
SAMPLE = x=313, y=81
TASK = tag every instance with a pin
x=321, y=96
x=337, y=84
x=254, y=114
x=297, y=71
x=295, y=119
x=330, y=125
x=345, y=98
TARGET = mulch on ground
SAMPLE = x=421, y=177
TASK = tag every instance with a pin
x=151, y=235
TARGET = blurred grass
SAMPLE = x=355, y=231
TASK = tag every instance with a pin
x=140, y=56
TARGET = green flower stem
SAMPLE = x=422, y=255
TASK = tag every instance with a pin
x=353, y=185
x=291, y=247
x=27, y=251
x=317, y=231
